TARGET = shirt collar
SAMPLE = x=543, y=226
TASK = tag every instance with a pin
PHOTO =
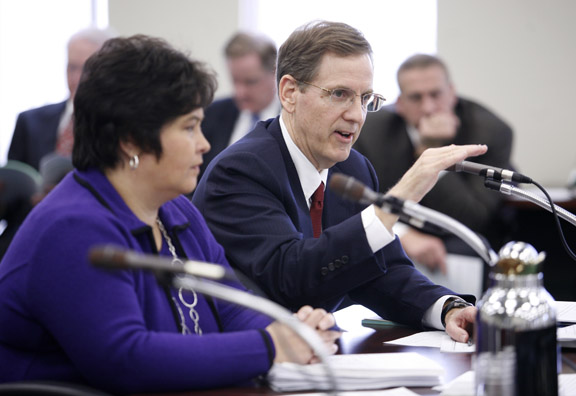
x=309, y=177
x=270, y=111
x=66, y=115
x=413, y=134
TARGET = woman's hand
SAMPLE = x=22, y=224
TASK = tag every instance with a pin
x=291, y=348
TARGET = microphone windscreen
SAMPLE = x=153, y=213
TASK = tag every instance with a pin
x=108, y=256
x=347, y=187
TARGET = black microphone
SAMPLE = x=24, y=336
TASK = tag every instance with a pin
x=114, y=257
x=353, y=190
x=489, y=171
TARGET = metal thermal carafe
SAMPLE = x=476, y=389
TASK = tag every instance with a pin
x=515, y=334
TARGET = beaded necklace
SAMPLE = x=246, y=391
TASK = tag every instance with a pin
x=191, y=306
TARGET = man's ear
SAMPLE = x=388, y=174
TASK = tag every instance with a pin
x=288, y=90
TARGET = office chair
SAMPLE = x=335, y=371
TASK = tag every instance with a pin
x=19, y=183
x=48, y=388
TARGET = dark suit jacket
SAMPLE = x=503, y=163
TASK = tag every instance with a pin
x=219, y=121
x=36, y=133
x=252, y=200
x=385, y=142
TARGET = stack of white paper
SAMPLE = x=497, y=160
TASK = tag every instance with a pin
x=358, y=371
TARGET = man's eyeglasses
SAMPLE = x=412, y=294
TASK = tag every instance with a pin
x=345, y=97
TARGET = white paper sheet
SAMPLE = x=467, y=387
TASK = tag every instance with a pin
x=566, y=311
x=434, y=339
x=402, y=391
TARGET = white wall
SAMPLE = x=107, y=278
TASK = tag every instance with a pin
x=199, y=27
x=33, y=56
x=518, y=57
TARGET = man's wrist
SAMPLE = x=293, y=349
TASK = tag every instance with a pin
x=450, y=304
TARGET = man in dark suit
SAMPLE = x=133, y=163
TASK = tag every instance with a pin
x=256, y=196
x=428, y=113
x=48, y=128
x=251, y=61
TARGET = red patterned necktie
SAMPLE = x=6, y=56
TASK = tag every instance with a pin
x=66, y=139
x=316, y=210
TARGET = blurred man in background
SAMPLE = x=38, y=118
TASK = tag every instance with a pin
x=48, y=129
x=429, y=113
x=251, y=61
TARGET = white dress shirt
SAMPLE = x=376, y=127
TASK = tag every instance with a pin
x=245, y=122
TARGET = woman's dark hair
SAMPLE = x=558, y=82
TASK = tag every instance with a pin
x=128, y=91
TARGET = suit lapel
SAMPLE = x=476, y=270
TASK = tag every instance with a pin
x=292, y=175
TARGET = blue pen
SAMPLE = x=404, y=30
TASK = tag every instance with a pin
x=337, y=328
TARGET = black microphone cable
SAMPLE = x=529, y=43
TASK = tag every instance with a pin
x=497, y=184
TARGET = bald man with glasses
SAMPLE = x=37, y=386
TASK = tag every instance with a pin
x=265, y=197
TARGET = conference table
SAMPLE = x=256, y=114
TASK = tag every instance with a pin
x=360, y=339
x=533, y=225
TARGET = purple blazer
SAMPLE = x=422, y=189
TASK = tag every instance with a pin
x=63, y=319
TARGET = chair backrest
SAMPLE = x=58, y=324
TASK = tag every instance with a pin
x=18, y=182
x=48, y=388
x=53, y=168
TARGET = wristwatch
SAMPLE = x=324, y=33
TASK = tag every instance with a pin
x=451, y=303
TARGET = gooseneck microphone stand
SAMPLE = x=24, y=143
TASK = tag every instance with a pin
x=546, y=204
x=447, y=223
x=415, y=214
x=543, y=202
x=498, y=179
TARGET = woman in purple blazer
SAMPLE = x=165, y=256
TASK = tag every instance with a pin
x=138, y=148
